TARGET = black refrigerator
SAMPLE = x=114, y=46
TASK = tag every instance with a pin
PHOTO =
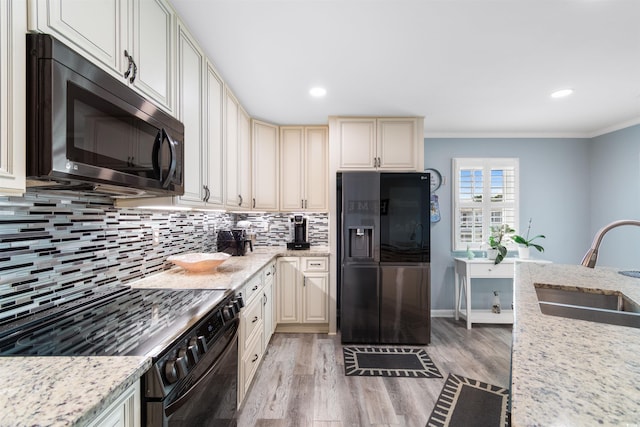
x=385, y=255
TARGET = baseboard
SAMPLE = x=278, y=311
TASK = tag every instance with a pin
x=442, y=313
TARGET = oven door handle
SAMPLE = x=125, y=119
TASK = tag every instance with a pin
x=173, y=407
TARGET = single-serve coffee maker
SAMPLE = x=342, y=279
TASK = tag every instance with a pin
x=298, y=232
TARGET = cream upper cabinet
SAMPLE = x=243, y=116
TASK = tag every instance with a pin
x=191, y=68
x=356, y=142
x=383, y=143
x=132, y=37
x=265, y=149
x=244, y=158
x=214, y=137
x=13, y=26
x=304, y=160
x=232, y=192
x=237, y=155
x=151, y=27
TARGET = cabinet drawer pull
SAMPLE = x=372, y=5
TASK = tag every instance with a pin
x=255, y=319
x=255, y=357
x=315, y=264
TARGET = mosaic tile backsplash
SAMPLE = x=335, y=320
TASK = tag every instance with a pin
x=57, y=248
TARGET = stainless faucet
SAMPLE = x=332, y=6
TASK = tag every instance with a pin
x=591, y=256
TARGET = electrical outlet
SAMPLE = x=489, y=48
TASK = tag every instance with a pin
x=156, y=236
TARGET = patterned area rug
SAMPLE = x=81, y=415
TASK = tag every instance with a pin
x=470, y=403
x=389, y=362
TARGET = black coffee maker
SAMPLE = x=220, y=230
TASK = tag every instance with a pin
x=298, y=232
x=233, y=242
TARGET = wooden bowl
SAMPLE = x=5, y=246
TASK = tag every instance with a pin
x=198, y=262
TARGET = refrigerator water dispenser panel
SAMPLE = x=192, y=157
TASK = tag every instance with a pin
x=360, y=243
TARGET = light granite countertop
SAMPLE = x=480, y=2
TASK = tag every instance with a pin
x=71, y=391
x=63, y=391
x=568, y=372
x=233, y=273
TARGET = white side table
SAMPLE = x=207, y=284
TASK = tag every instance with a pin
x=482, y=268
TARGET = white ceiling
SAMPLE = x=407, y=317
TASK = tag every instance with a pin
x=470, y=67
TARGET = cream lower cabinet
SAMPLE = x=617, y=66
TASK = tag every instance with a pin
x=124, y=412
x=256, y=326
x=250, y=341
x=268, y=303
x=13, y=26
x=103, y=30
x=303, y=294
x=378, y=143
x=304, y=180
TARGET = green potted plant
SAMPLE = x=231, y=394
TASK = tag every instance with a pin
x=498, y=233
x=525, y=243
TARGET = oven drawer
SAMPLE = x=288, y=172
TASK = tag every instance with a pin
x=251, y=320
x=491, y=270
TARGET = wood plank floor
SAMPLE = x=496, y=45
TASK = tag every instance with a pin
x=301, y=380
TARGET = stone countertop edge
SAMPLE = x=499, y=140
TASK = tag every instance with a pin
x=72, y=391
x=232, y=274
x=568, y=372
x=63, y=391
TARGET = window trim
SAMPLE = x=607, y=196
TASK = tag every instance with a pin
x=486, y=163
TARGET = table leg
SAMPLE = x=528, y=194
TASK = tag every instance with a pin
x=456, y=305
x=467, y=284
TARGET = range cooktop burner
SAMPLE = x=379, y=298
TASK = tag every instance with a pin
x=131, y=322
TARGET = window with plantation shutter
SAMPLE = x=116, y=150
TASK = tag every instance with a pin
x=485, y=194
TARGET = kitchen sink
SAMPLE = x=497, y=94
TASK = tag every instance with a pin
x=588, y=304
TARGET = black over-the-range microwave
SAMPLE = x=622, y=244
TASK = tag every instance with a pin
x=88, y=131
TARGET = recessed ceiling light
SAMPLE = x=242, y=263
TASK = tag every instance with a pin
x=561, y=93
x=318, y=92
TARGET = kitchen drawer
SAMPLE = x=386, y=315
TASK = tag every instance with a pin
x=315, y=264
x=251, y=317
x=252, y=288
x=269, y=273
x=250, y=361
x=490, y=270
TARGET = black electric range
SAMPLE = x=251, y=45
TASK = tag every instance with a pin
x=117, y=321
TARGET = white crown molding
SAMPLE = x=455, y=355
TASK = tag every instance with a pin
x=613, y=128
x=452, y=135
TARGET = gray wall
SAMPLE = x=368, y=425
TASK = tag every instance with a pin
x=614, y=178
x=554, y=191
